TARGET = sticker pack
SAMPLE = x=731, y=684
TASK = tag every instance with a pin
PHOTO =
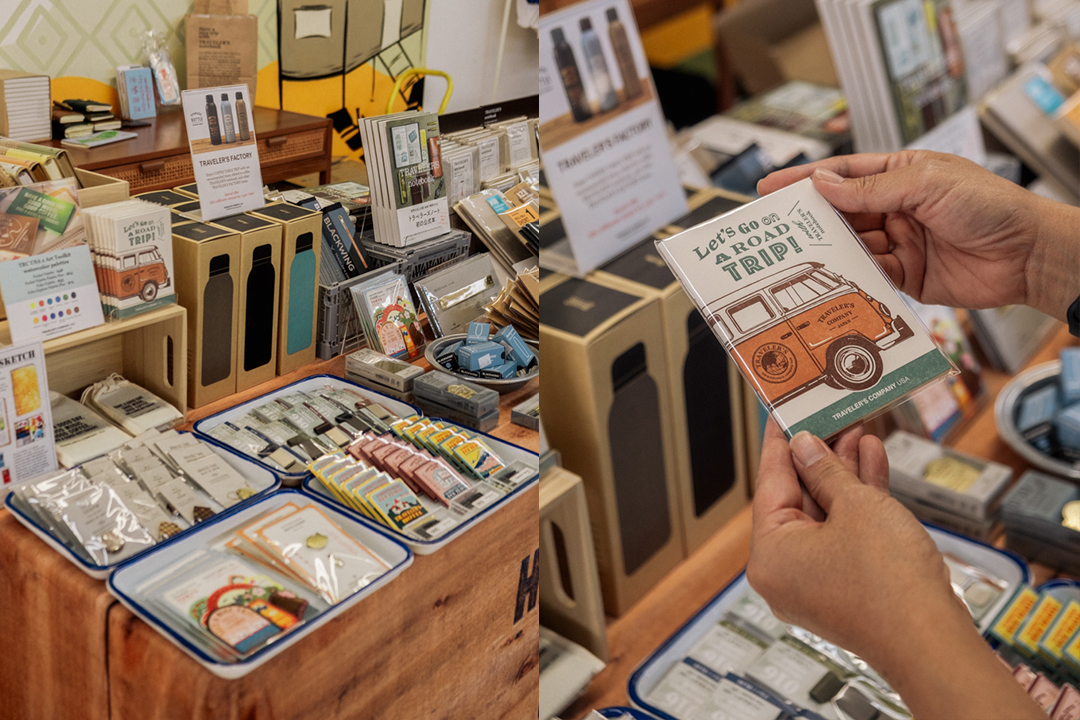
x=422, y=479
x=262, y=579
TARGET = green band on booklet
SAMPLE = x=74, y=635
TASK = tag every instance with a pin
x=889, y=389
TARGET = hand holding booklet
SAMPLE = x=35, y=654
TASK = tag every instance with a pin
x=814, y=325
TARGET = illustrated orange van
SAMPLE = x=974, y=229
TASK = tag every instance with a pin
x=806, y=325
x=139, y=272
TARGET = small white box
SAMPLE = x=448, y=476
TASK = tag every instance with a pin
x=975, y=498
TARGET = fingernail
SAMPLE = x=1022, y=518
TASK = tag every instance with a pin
x=807, y=448
x=828, y=176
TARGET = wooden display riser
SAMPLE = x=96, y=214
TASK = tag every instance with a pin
x=696, y=580
x=455, y=636
x=148, y=349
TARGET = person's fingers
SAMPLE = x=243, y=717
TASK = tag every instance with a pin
x=865, y=222
x=845, y=165
x=778, y=485
x=897, y=190
x=810, y=506
x=873, y=463
x=822, y=472
x=846, y=447
x=876, y=241
x=892, y=267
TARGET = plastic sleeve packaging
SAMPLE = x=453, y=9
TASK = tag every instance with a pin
x=800, y=305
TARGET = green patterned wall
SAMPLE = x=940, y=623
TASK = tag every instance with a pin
x=89, y=38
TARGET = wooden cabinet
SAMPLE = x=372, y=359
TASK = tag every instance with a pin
x=290, y=144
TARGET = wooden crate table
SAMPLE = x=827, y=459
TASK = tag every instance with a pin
x=455, y=636
x=290, y=145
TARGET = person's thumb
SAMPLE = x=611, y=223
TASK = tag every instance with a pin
x=821, y=470
x=885, y=192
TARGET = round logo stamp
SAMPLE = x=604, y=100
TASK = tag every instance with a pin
x=774, y=363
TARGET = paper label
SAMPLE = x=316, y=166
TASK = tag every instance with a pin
x=424, y=221
x=226, y=170
x=51, y=295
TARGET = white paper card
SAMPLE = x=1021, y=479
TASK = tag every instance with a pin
x=226, y=170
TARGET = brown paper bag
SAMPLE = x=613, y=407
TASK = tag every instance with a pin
x=222, y=49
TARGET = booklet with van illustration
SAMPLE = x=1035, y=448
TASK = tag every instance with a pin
x=812, y=322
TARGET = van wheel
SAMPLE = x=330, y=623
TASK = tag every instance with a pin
x=149, y=291
x=853, y=363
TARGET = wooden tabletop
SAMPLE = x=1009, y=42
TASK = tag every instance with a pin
x=167, y=136
x=696, y=580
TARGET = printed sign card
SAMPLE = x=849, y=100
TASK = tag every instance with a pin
x=221, y=134
x=605, y=149
x=26, y=425
x=51, y=295
x=48, y=279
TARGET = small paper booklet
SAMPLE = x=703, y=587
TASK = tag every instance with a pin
x=815, y=326
x=100, y=138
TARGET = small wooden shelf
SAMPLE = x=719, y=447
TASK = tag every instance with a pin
x=148, y=349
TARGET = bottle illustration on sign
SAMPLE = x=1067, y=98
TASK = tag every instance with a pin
x=227, y=119
x=212, y=121
x=804, y=326
x=301, y=308
x=571, y=77
x=241, y=118
x=624, y=56
x=594, y=56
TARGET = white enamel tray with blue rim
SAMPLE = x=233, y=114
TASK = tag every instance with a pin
x=1000, y=563
x=1061, y=589
x=624, y=713
x=506, y=451
x=131, y=575
x=397, y=407
x=261, y=480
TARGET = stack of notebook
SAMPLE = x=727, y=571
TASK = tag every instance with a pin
x=98, y=114
x=69, y=124
x=25, y=106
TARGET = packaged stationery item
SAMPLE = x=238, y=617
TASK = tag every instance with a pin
x=232, y=603
x=129, y=406
x=131, y=244
x=396, y=374
x=160, y=61
x=150, y=489
x=815, y=326
x=929, y=472
x=388, y=316
x=416, y=482
x=455, y=296
x=80, y=433
x=289, y=428
x=246, y=586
